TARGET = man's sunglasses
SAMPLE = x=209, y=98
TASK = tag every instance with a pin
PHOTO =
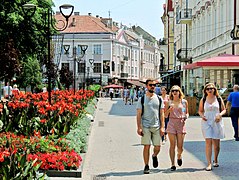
x=175, y=90
x=151, y=85
x=209, y=89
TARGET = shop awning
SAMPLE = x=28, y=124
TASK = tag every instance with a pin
x=135, y=82
x=226, y=61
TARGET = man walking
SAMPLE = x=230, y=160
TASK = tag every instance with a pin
x=233, y=98
x=150, y=123
x=7, y=91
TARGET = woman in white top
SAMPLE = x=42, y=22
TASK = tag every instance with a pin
x=212, y=124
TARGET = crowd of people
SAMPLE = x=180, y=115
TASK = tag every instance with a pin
x=8, y=90
x=159, y=117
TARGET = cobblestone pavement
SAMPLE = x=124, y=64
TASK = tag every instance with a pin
x=114, y=150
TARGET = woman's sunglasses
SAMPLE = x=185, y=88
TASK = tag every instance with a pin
x=209, y=89
x=175, y=90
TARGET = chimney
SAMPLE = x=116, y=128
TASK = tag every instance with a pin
x=89, y=14
x=107, y=22
x=77, y=13
x=73, y=24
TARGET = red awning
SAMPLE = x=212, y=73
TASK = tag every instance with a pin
x=222, y=61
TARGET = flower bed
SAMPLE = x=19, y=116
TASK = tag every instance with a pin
x=38, y=127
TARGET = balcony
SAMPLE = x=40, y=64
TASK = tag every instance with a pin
x=185, y=16
x=163, y=68
x=163, y=41
x=124, y=75
x=143, y=61
x=235, y=33
x=125, y=58
x=184, y=55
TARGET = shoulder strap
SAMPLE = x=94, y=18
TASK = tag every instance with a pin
x=142, y=103
x=160, y=102
x=203, y=100
x=220, y=103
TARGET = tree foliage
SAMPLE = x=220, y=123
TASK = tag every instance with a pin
x=22, y=35
x=66, y=77
x=31, y=74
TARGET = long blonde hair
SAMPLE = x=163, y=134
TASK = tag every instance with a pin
x=181, y=95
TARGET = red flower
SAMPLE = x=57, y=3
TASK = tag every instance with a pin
x=43, y=121
x=1, y=157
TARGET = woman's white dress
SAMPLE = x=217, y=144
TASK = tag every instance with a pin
x=211, y=128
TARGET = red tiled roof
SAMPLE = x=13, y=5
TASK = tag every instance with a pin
x=85, y=24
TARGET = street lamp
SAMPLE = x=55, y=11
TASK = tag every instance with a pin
x=76, y=59
x=91, y=61
x=50, y=25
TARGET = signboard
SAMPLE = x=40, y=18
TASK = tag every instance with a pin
x=106, y=66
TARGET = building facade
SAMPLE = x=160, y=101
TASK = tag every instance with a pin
x=115, y=53
x=203, y=42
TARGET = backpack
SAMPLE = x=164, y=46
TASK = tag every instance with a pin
x=219, y=101
x=142, y=103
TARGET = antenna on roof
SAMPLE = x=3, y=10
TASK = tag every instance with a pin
x=109, y=13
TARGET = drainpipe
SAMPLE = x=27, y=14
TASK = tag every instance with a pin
x=168, y=46
x=235, y=22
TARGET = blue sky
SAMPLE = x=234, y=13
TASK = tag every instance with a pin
x=144, y=13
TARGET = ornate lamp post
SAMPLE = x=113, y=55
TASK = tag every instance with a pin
x=50, y=25
x=91, y=61
x=76, y=59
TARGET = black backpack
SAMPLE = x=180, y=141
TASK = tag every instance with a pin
x=142, y=103
x=219, y=101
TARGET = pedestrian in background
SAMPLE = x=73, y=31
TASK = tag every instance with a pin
x=7, y=91
x=111, y=91
x=157, y=90
x=15, y=89
x=177, y=111
x=150, y=123
x=132, y=95
x=233, y=99
x=165, y=98
x=126, y=95
x=211, y=110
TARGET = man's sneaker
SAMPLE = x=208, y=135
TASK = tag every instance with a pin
x=155, y=161
x=146, y=169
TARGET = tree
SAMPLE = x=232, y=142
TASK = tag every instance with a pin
x=24, y=35
x=9, y=60
x=66, y=77
x=31, y=74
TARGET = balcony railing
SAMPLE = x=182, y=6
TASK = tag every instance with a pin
x=143, y=61
x=185, y=16
x=124, y=75
x=184, y=55
x=163, y=68
x=125, y=58
x=163, y=41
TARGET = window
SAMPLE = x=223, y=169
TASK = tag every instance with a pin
x=81, y=67
x=97, y=49
x=132, y=71
x=97, y=67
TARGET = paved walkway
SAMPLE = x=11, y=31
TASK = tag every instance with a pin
x=114, y=151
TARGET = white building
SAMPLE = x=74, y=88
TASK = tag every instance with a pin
x=114, y=54
x=204, y=29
